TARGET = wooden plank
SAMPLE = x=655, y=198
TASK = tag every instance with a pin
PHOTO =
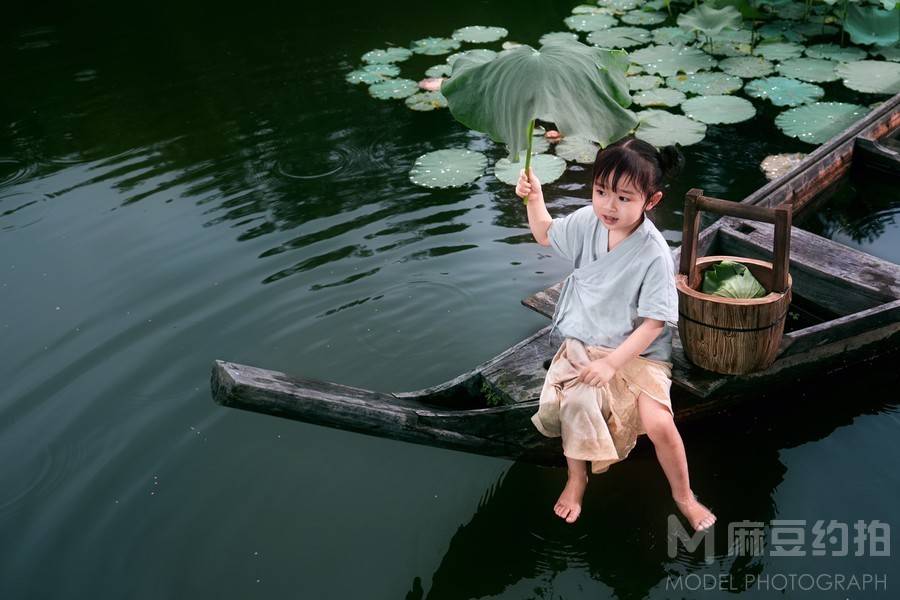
x=871, y=155
x=520, y=375
x=848, y=327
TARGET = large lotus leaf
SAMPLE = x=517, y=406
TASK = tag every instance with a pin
x=659, y=97
x=547, y=167
x=433, y=46
x=818, y=122
x=479, y=34
x=582, y=89
x=718, y=109
x=577, y=149
x=670, y=60
x=447, y=168
x=555, y=36
x=731, y=279
x=778, y=50
x=870, y=25
x=425, y=101
x=746, y=66
x=710, y=20
x=590, y=22
x=662, y=128
x=835, y=52
x=784, y=91
x=642, y=17
x=643, y=82
x=814, y=70
x=706, y=83
x=872, y=76
x=619, y=37
x=373, y=73
x=388, y=55
x=673, y=36
x=391, y=89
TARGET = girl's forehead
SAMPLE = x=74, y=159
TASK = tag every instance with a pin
x=626, y=184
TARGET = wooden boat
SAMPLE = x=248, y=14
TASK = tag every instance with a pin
x=848, y=303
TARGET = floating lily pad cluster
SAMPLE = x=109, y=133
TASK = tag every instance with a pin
x=691, y=65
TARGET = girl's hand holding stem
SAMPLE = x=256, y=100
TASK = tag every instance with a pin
x=529, y=188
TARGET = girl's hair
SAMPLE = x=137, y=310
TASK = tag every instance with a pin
x=638, y=162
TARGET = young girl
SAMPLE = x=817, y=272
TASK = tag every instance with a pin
x=609, y=381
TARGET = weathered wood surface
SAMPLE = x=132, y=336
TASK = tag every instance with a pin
x=877, y=156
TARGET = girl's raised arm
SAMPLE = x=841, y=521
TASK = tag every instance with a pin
x=539, y=219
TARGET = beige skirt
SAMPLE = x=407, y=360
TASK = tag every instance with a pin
x=599, y=424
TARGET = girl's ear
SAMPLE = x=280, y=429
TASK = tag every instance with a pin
x=654, y=200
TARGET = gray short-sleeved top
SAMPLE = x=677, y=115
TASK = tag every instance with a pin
x=608, y=294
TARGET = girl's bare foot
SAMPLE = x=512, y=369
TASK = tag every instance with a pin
x=568, y=506
x=700, y=517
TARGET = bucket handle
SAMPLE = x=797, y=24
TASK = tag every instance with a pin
x=695, y=202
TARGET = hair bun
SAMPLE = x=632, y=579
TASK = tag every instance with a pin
x=671, y=160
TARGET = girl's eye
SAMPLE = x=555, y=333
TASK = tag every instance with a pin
x=623, y=198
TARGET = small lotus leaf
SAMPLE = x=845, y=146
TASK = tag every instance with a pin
x=662, y=128
x=871, y=25
x=590, y=22
x=433, y=46
x=709, y=20
x=734, y=36
x=619, y=37
x=670, y=60
x=706, y=83
x=815, y=70
x=642, y=17
x=810, y=29
x=539, y=143
x=793, y=11
x=442, y=70
x=778, y=51
x=781, y=30
x=784, y=91
x=643, y=82
x=872, y=76
x=393, y=88
x=577, y=149
x=388, y=55
x=448, y=168
x=892, y=53
x=555, y=36
x=835, y=52
x=478, y=54
x=634, y=69
x=718, y=109
x=620, y=5
x=818, y=122
x=547, y=167
x=425, y=101
x=479, y=34
x=373, y=73
x=673, y=36
x=778, y=165
x=659, y=97
x=746, y=66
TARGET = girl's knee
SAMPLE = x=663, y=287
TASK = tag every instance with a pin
x=657, y=421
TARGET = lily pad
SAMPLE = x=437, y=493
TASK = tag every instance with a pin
x=658, y=97
x=442, y=70
x=391, y=89
x=778, y=51
x=555, y=36
x=781, y=30
x=373, y=73
x=777, y=165
x=577, y=149
x=818, y=122
x=673, y=36
x=448, y=168
x=642, y=17
x=746, y=66
x=708, y=20
x=670, y=60
x=539, y=143
x=547, y=167
x=619, y=37
x=810, y=29
x=791, y=10
x=662, y=128
x=815, y=70
x=643, y=82
x=872, y=76
x=835, y=52
x=433, y=46
x=718, y=109
x=619, y=5
x=705, y=83
x=784, y=91
x=478, y=54
x=478, y=34
x=590, y=22
x=425, y=101
x=388, y=55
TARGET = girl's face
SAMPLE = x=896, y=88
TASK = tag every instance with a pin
x=621, y=209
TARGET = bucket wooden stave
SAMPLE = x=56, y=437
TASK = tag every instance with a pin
x=733, y=335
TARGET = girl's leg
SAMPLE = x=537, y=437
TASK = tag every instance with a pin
x=661, y=430
x=568, y=506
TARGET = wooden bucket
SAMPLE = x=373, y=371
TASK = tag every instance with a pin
x=731, y=335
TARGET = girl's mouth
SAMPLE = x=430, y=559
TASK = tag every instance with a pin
x=609, y=220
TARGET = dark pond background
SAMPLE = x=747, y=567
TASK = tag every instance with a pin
x=181, y=182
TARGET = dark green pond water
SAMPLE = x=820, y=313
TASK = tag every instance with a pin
x=181, y=182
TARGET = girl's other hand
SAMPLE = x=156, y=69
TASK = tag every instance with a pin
x=597, y=372
x=529, y=187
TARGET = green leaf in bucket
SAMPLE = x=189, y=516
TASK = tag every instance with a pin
x=718, y=109
x=784, y=91
x=662, y=128
x=872, y=76
x=818, y=122
x=730, y=279
x=448, y=168
x=547, y=167
x=479, y=34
